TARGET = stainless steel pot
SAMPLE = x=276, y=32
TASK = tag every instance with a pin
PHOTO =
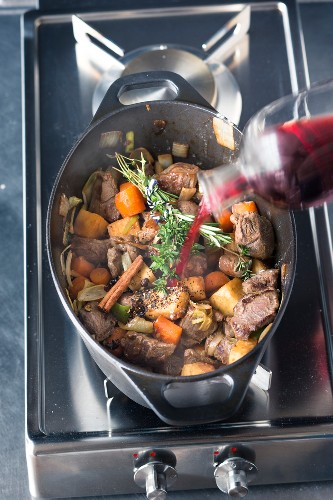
x=176, y=400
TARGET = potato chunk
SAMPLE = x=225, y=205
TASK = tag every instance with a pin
x=196, y=287
x=241, y=348
x=196, y=369
x=226, y=297
x=172, y=306
x=144, y=273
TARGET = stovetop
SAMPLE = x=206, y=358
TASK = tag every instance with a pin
x=71, y=409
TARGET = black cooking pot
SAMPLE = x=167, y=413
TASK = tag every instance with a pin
x=176, y=400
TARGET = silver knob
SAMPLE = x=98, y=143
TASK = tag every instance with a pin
x=155, y=477
x=233, y=475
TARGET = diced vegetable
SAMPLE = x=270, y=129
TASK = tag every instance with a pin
x=91, y=293
x=227, y=296
x=244, y=206
x=100, y=276
x=241, y=348
x=77, y=285
x=224, y=133
x=130, y=201
x=197, y=368
x=167, y=331
x=172, y=306
x=129, y=141
x=202, y=314
x=180, y=149
x=89, y=224
x=144, y=273
x=139, y=325
x=196, y=287
x=225, y=222
x=264, y=332
x=113, y=344
x=165, y=160
x=87, y=189
x=110, y=139
x=214, y=281
x=82, y=266
x=158, y=168
x=63, y=205
x=124, y=227
x=120, y=312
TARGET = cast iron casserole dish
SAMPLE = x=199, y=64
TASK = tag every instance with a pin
x=177, y=400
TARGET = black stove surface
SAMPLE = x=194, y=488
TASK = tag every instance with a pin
x=67, y=396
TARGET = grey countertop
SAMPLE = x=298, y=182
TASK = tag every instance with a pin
x=318, y=34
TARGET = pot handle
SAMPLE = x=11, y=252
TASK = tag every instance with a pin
x=226, y=396
x=164, y=79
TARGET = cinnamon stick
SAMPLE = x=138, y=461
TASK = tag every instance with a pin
x=121, y=286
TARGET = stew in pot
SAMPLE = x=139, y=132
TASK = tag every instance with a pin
x=122, y=242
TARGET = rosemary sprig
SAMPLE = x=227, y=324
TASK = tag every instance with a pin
x=175, y=225
x=243, y=265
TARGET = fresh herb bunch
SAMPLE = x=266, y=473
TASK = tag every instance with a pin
x=244, y=265
x=175, y=225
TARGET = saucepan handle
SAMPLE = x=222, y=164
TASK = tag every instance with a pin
x=197, y=401
x=179, y=87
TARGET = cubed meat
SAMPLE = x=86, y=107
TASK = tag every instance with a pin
x=219, y=346
x=255, y=232
x=261, y=281
x=188, y=207
x=146, y=351
x=103, y=196
x=254, y=311
x=114, y=262
x=196, y=266
x=177, y=176
x=149, y=230
x=98, y=323
x=93, y=250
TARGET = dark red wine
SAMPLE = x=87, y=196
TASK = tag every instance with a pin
x=299, y=158
x=191, y=236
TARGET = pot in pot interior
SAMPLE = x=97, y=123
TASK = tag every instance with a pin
x=176, y=400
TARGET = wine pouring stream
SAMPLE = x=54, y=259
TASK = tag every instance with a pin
x=286, y=158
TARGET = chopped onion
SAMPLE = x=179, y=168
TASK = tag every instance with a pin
x=202, y=313
x=179, y=149
x=212, y=345
x=126, y=260
x=63, y=205
x=139, y=325
x=165, y=160
x=87, y=189
x=110, y=139
x=68, y=267
x=95, y=292
x=224, y=133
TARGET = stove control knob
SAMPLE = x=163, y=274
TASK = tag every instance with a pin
x=233, y=475
x=156, y=477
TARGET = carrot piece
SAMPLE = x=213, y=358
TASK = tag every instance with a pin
x=167, y=331
x=214, y=281
x=125, y=185
x=89, y=224
x=77, y=285
x=130, y=201
x=82, y=266
x=100, y=276
x=225, y=222
x=244, y=206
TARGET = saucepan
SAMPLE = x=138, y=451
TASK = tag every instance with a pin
x=178, y=401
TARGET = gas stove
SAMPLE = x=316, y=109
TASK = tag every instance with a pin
x=84, y=437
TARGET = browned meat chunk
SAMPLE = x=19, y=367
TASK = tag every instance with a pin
x=114, y=262
x=188, y=207
x=197, y=324
x=198, y=355
x=177, y=176
x=254, y=311
x=99, y=324
x=196, y=266
x=261, y=281
x=147, y=351
x=228, y=264
x=219, y=346
x=255, y=232
x=149, y=230
x=103, y=193
x=173, y=365
x=93, y=250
